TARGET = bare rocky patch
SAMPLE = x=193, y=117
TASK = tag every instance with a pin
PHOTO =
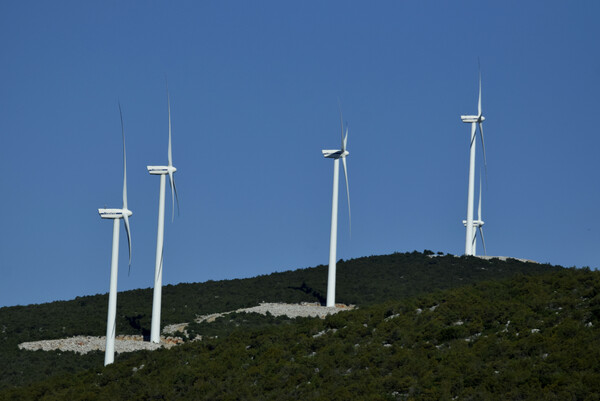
x=85, y=344
x=131, y=343
x=304, y=309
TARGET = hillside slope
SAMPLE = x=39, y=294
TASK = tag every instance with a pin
x=526, y=338
x=363, y=281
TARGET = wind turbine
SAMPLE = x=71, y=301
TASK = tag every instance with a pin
x=336, y=155
x=475, y=121
x=477, y=225
x=116, y=214
x=162, y=171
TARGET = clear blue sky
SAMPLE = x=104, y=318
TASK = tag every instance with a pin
x=254, y=89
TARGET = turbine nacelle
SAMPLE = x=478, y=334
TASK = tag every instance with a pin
x=476, y=223
x=334, y=154
x=160, y=170
x=114, y=213
x=472, y=119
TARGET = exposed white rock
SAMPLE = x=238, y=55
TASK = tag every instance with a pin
x=296, y=310
x=85, y=344
x=473, y=337
x=502, y=258
x=304, y=309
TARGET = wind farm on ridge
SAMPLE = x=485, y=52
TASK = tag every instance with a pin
x=470, y=224
x=266, y=87
x=267, y=285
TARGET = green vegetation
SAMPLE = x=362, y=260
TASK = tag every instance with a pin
x=368, y=282
x=529, y=337
x=226, y=324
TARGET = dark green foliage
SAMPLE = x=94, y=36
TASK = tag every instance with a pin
x=363, y=281
x=226, y=324
x=526, y=338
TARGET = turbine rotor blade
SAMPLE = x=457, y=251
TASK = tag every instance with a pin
x=341, y=124
x=479, y=101
x=170, y=159
x=482, y=240
x=125, y=217
x=348, y=194
x=479, y=208
x=483, y=147
x=162, y=253
x=174, y=195
x=128, y=231
x=124, y=161
x=170, y=155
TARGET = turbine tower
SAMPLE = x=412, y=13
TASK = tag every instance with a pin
x=116, y=214
x=477, y=225
x=336, y=155
x=162, y=171
x=475, y=121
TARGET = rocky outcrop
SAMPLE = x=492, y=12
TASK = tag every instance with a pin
x=304, y=309
x=130, y=343
x=85, y=344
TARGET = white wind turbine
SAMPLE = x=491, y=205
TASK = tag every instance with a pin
x=162, y=171
x=336, y=155
x=116, y=214
x=477, y=225
x=474, y=121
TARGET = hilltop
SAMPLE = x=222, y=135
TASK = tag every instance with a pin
x=365, y=282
